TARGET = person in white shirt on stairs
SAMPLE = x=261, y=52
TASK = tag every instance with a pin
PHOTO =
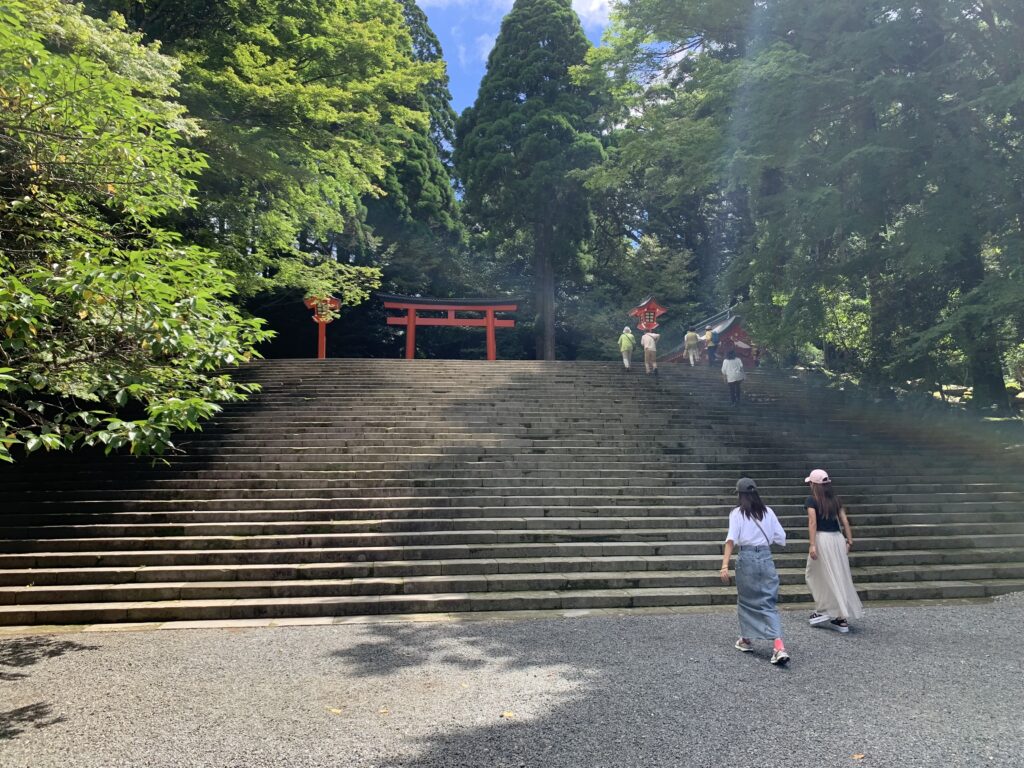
x=649, y=341
x=732, y=369
x=753, y=527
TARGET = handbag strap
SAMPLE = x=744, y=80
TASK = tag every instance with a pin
x=762, y=532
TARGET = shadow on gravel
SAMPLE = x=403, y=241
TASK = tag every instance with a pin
x=668, y=692
x=397, y=647
x=17, y=721
x=18, y=653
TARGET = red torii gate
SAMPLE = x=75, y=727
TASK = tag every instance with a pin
x=411, y=305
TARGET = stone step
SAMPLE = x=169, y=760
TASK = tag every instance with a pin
x=196, y=610
x=706, y=517
x=424, y=585
x=421, y=545
x=659, y=469
x=780, y=479
x=912, y=559
x=599, y=503
x=699, y=528
x=426, y=462
x=552, y=488
x=422, y=537
x=468, y=490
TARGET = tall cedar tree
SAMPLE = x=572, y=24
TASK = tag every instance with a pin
x=519, y=147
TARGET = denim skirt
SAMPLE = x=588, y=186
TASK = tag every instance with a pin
x=757, y=592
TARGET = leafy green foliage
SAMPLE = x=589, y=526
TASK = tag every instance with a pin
x=855, y=166
x=99, y=307
x=417, y=220
x=304, y=107
x=616, y=275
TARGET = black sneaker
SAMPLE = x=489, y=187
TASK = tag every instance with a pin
x=819, y=618
x=840, y=625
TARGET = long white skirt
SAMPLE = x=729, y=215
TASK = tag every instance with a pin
x=830, y=580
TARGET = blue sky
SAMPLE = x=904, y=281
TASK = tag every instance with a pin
x=467, y=30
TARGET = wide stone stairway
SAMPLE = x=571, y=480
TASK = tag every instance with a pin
x=355, y=487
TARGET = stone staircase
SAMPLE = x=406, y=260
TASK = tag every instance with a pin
x=355, y=487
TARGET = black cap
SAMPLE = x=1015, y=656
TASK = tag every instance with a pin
x=745, y=485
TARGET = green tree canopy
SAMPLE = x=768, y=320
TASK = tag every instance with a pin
x=417, y=220
x=304, y=108
x=852, y=165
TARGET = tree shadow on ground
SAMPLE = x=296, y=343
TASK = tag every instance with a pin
x=670, y=691
x=16, y=721
x=18, y=654
x=392, y=648
x=556, y=697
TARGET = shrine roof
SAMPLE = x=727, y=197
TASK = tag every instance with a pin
x=645, y=302
x=727, y=325
x=504, y=300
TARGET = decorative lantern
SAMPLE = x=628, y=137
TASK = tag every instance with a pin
x=647, y=314
x=322, y=308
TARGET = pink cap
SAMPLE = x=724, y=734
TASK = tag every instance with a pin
x=819, y=476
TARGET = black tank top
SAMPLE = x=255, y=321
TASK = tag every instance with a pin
x=825, y=524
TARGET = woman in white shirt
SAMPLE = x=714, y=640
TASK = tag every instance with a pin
x=753, y=527
x=732, y=369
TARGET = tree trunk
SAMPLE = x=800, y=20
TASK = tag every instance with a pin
x=984, y=362
x=981, y=343
x=879, y=330
x=544, y=285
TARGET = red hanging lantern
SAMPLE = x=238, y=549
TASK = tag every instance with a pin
x=647, y=314
x=322, y=316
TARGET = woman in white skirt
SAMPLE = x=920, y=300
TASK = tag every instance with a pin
x=828, y=565
x=753, y=527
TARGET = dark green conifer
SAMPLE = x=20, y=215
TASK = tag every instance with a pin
x=520, y=146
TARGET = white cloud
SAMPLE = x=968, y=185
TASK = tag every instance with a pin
x=504, y=6
x=593, y=13
x=484, y=44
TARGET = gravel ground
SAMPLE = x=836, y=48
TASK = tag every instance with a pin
x=911, y=686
